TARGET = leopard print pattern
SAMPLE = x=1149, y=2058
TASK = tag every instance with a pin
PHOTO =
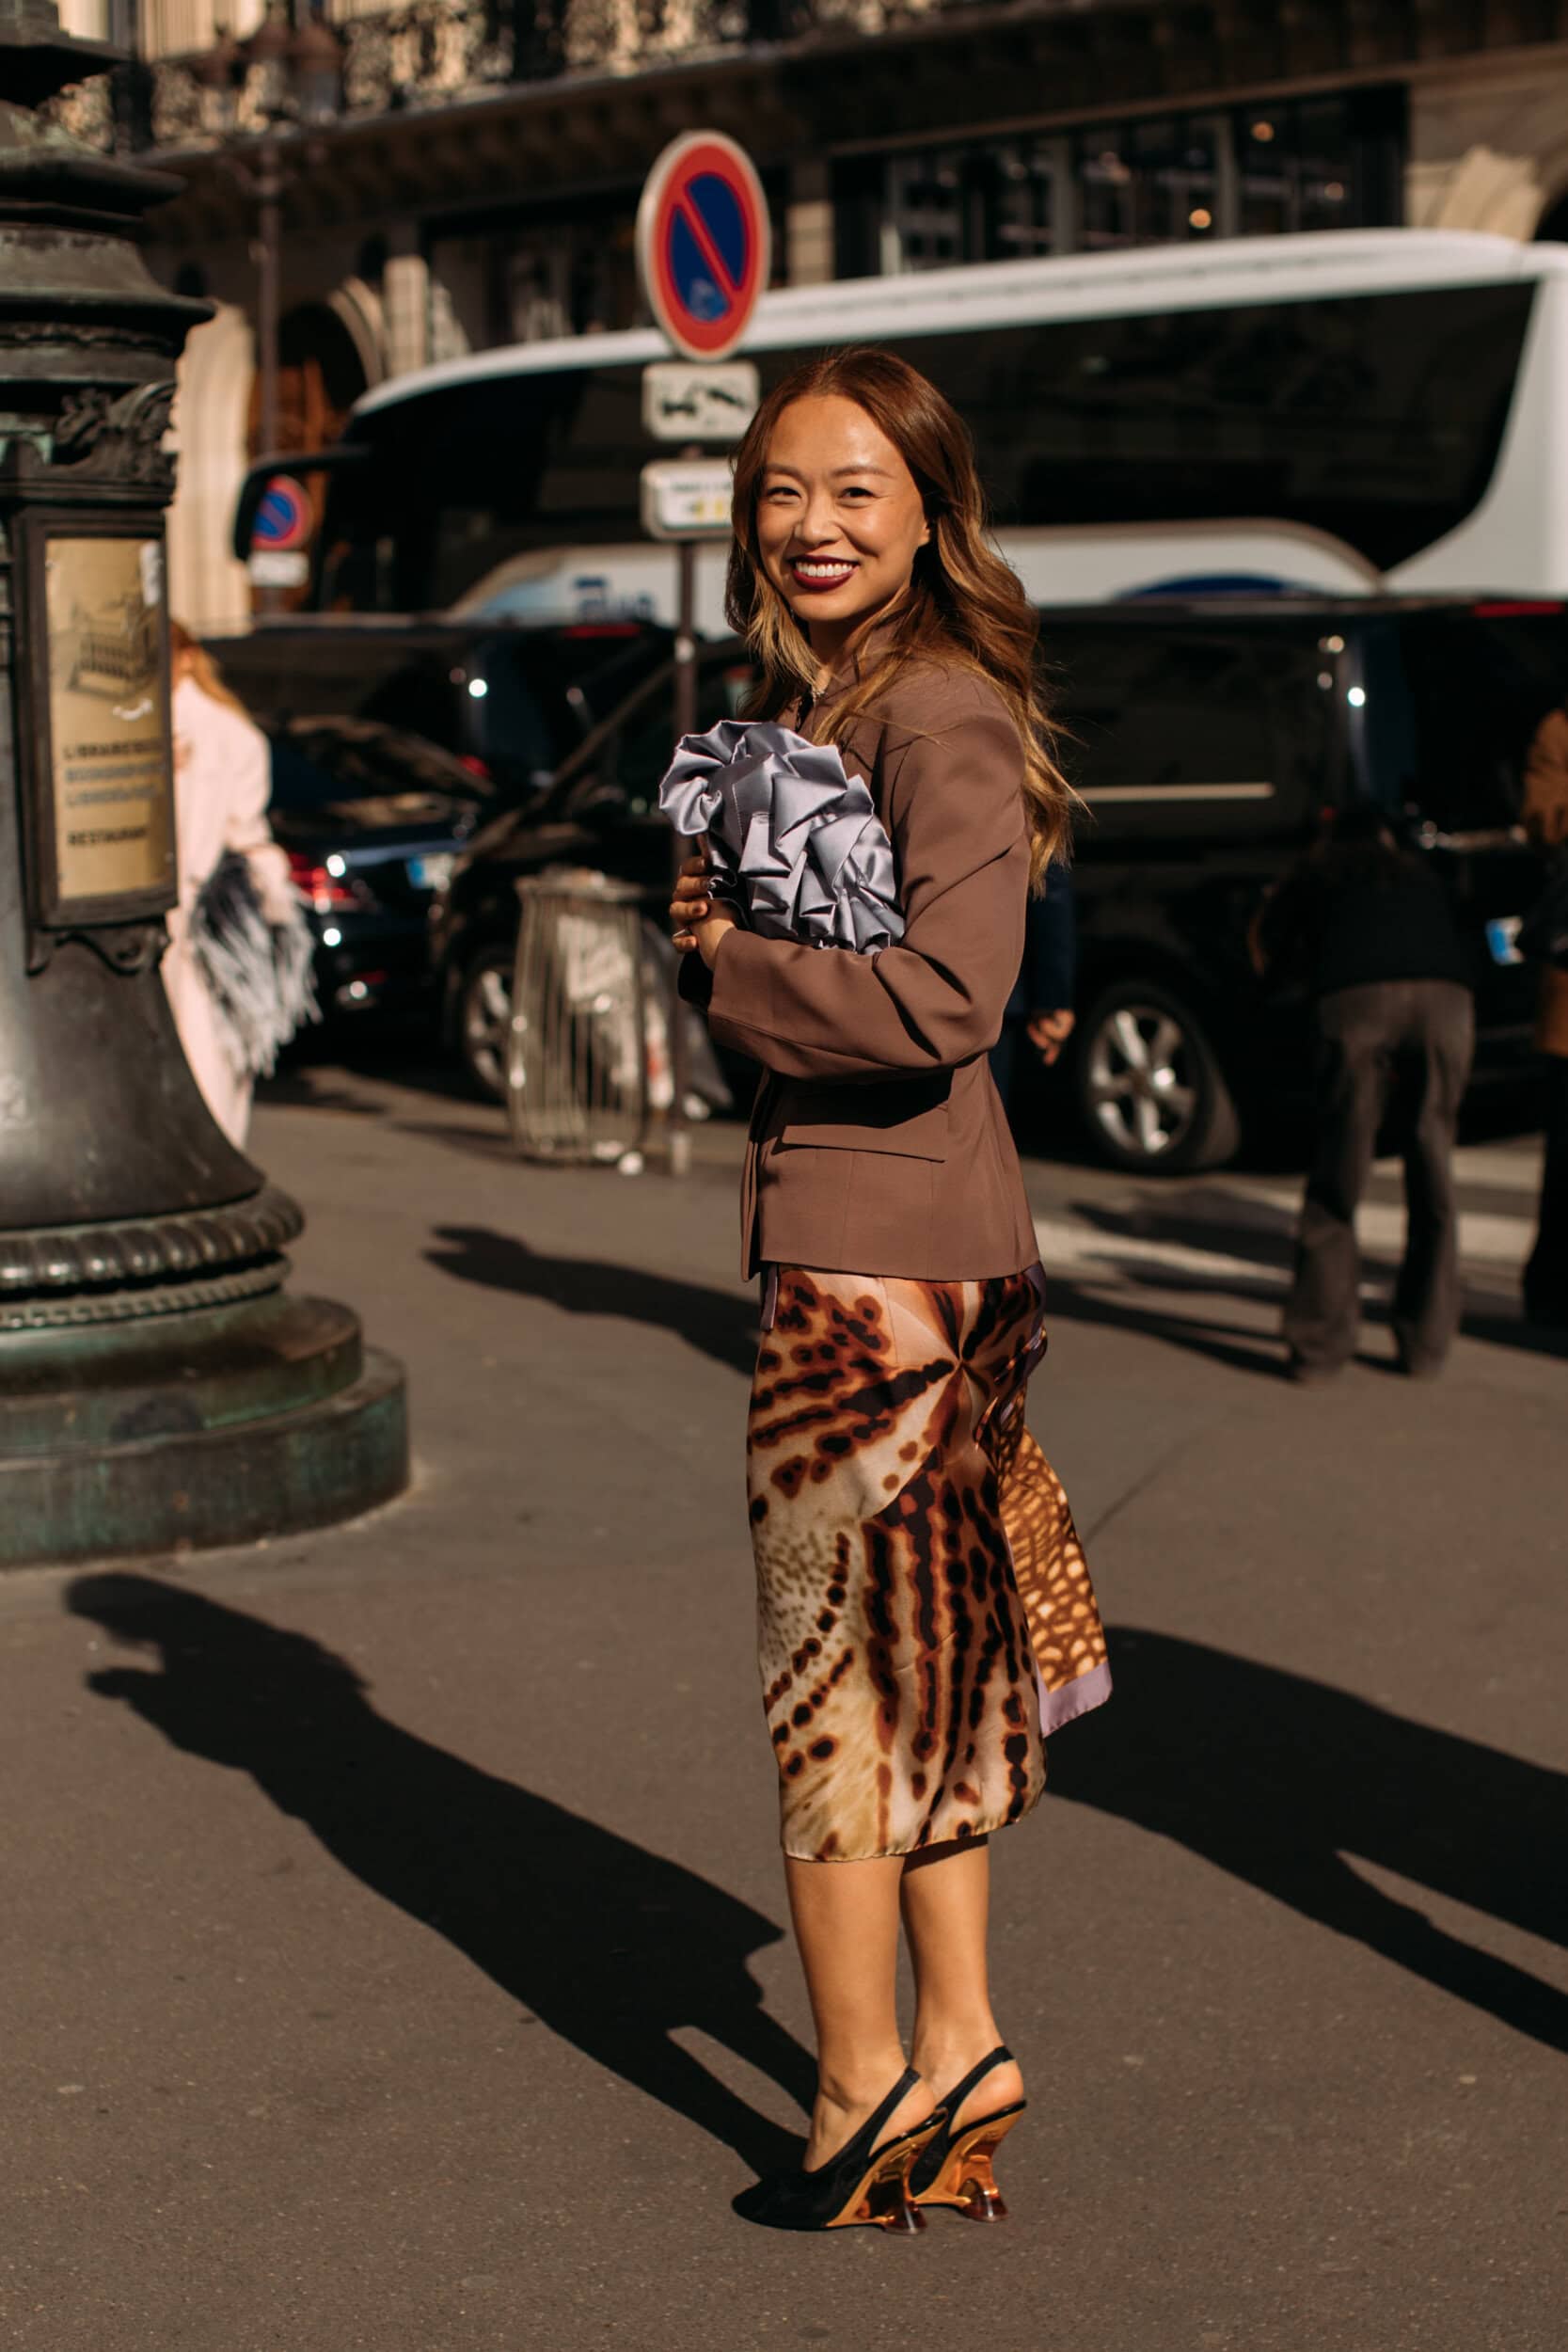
x=1053, y=1579
x=889, y=1480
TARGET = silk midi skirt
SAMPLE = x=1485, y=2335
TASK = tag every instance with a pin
x=924, y=1614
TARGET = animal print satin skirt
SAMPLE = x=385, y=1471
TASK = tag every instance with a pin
x=925, y=1610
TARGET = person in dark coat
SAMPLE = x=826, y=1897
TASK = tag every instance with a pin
x=1039, y=1011
x=1365, y=928
x=1546, y=815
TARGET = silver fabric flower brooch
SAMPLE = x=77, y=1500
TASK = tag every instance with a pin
x=794, y=845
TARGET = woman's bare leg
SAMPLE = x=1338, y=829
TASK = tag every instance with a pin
x=846, y=1916
x=946, y=1895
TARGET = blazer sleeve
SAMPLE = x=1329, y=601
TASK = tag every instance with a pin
x=936, y=1000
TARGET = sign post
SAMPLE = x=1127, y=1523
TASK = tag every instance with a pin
x=703, y=252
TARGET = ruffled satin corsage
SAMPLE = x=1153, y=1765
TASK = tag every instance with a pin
x=795, y=844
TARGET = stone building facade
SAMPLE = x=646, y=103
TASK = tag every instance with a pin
x=459, y=174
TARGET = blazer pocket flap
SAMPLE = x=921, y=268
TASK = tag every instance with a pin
x=878, y=1119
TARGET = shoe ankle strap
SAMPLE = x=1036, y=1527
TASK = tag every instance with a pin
x=1001, y=2055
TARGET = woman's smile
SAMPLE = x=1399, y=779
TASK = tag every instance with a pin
x=817, y=573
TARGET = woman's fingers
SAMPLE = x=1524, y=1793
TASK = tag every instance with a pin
x=691, y=903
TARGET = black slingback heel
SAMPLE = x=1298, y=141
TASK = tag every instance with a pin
x=864, y=2183
x=955, y=2167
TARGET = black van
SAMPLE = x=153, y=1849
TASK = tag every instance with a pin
x=1206, y=737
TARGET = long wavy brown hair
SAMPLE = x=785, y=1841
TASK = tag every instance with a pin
x=965, y=607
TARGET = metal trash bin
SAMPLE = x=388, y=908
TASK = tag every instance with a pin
x=577, y=1063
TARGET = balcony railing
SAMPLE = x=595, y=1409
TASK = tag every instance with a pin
x=192, y=86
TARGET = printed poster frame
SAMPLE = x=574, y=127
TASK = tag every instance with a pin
x=134, y=650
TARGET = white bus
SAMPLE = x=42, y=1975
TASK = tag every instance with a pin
x=1359, y=411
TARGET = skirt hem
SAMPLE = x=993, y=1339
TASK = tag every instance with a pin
x=902, y=1854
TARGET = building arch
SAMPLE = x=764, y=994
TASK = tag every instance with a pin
x=321, y=374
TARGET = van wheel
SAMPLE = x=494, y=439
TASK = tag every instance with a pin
x=484, y=1020
x=1150, y=1091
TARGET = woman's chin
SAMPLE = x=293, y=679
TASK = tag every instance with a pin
x=834, y=607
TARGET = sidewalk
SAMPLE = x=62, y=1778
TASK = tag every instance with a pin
x=394, y=1926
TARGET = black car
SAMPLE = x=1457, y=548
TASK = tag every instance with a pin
x=371, y=819
x=1207, y=739
x=601, y=811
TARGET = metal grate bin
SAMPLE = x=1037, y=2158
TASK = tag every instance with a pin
x=577, y=1063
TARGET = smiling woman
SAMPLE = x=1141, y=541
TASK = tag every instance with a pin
x=925, y=1615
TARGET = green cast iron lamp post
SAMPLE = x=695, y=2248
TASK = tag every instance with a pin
x=158, y=1385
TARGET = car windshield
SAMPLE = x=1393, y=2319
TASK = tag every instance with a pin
x=381, y=778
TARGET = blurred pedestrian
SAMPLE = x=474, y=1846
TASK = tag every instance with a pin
x=1546, y=815
x=1039, y=1014
x=1364, y=926
x=237, y=964
x=925, y=1610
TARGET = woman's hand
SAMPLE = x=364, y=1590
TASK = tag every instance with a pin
x=697, y=923
x=1047, y=1032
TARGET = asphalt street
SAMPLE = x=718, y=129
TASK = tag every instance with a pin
x=393, y=1924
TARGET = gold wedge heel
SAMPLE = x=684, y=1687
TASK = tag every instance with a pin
x=957, y=2166
x=882, y=2199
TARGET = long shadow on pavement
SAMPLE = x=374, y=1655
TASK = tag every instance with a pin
x=718, y=1323
x=1069, y=1302
x=612, y=1946
x=1286, y=1782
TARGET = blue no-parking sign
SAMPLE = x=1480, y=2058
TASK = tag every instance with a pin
x=704, y=243
x=283, y=516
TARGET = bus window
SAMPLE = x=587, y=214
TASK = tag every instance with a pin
x=1376, y=419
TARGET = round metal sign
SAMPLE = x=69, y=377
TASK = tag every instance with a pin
x=704, y=243
x=283, y=516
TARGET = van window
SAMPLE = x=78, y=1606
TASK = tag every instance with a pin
x=1215, y=724
x=1453, y=700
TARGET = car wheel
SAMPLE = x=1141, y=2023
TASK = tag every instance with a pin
x=484, y=1020
x=1150, y=1091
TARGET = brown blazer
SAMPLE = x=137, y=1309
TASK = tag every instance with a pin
x=878, y=1142
x=1546, y=813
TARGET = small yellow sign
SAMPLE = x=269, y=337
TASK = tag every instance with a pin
x=112, y=783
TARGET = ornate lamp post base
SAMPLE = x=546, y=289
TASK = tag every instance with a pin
x=157, y=1387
